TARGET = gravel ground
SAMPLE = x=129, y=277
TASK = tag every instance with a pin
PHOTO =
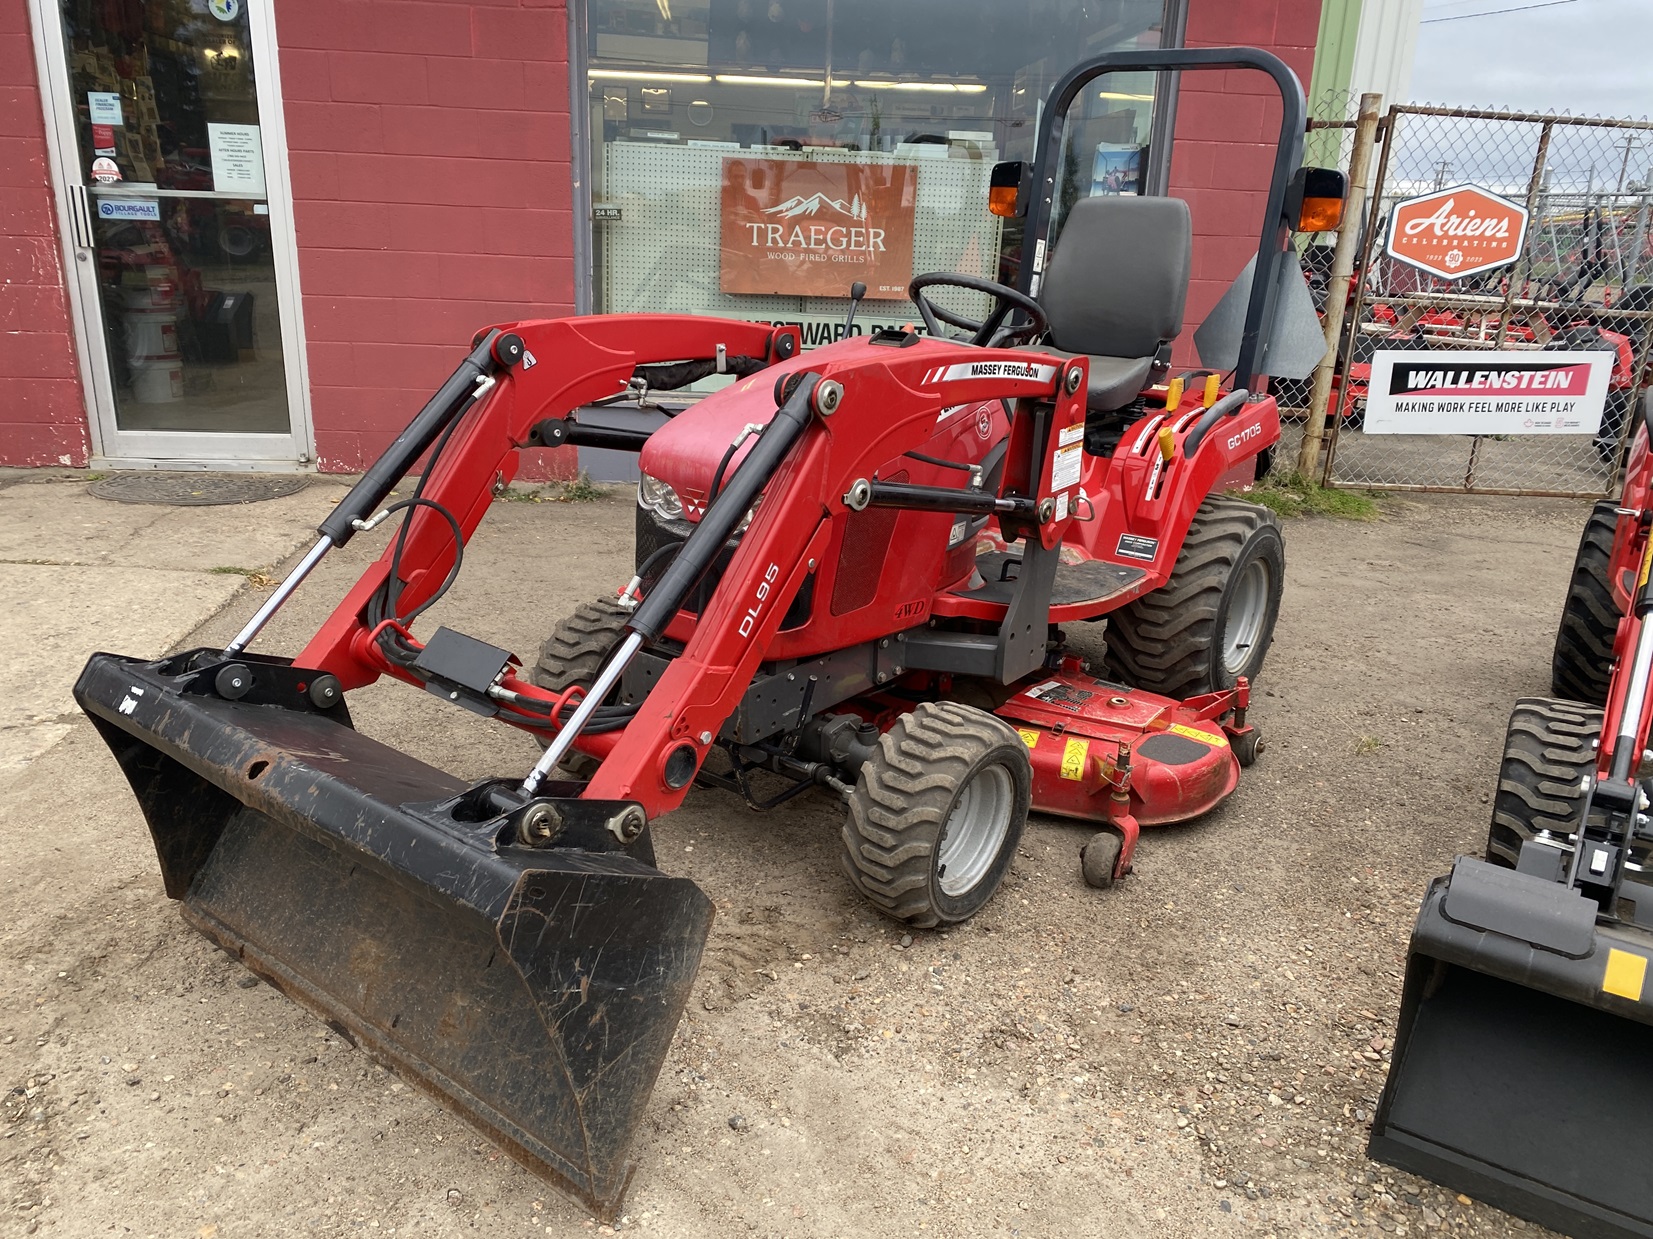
x=1195, y=1052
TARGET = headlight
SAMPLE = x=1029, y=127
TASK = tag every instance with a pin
x=658, y=497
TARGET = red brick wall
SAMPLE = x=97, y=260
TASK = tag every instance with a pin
x=429, y=147
x=1227, y=128
x=42, y=414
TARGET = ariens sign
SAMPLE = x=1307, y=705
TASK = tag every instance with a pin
x=1456, y=232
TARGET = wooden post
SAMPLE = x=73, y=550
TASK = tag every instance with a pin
x=1337, y=288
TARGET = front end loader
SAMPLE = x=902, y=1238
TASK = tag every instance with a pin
x=1522, y=1068
x=847, y=611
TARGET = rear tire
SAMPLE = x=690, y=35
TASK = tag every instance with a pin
x=1547, y=755
x=1583, y=661
x=937, y=813
x=1212, y=622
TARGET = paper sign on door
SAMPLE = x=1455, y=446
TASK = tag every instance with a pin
x=237, y=159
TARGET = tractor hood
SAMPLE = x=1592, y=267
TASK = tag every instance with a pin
x=686, y=451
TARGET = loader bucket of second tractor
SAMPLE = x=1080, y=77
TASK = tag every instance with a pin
x=1523, y=1063
x=534, y=990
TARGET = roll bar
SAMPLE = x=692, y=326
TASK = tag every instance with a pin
x=1037, y=192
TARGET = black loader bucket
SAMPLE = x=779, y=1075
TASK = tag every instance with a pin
x=1523, y=1064
x=534, y=990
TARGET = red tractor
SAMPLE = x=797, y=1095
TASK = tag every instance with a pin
x=853, y=566
x=1524, y=1056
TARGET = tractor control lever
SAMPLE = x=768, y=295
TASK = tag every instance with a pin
x=857, y=291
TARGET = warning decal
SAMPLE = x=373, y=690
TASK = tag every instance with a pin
x=1214, y=738
x=1073, y=759
x=1029, y=737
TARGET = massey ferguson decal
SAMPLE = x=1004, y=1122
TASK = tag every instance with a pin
x=808, y=229
x=1456, y=232
x=1482, y=393
x=990, y=370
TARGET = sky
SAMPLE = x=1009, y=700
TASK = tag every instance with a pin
x=1587, y=57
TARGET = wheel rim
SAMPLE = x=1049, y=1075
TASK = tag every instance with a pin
x=236, y=241
x=975, y=830
x=1247, y=612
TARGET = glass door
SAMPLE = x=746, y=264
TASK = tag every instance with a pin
x=181, y=240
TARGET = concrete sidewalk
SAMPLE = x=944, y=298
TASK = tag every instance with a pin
x=80, y=574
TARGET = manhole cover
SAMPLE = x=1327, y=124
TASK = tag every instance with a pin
x=197, y=490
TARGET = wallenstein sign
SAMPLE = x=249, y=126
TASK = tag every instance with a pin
x=808, y=229
x=1456, y=232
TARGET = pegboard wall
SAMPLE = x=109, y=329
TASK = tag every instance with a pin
x=662, y=254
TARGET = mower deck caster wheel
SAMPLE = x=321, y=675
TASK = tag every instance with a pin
x=1249, y=747
x=1099, y=858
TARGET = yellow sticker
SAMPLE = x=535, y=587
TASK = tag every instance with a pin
x=1029, y=737
x=1073, y=759
x=1214, y=738
x=1625, y=973
x=1647, y=563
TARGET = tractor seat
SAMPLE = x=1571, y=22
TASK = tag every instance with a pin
x=1114, y=290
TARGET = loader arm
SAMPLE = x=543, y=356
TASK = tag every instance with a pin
x=889, y=399
x=564, y=364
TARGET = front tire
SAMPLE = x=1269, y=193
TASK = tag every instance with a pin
x=575, y=650
x=1548, y=753
x=1213, y=621
x=1583, y=660
x=573, y=655
x=937, y=814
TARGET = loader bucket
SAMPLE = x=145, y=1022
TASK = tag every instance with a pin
x=1523, y=1064
x=533, y=990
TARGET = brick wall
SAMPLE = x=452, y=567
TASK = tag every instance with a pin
x=429, y=147
x=42, y=414
x=1227, y=128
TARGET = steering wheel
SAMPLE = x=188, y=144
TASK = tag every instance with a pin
x=1005, y=299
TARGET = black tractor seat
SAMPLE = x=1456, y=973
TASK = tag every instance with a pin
x=1114, y=290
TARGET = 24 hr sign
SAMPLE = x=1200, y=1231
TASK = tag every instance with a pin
x=1471, y=392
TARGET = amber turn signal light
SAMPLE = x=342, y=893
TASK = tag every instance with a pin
x=1003, y=187
x=1319, y=214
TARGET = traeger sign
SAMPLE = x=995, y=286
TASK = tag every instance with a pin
x=809, y=229
x=1470, y=392
x=1456, y=232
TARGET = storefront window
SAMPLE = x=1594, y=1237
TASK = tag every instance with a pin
x=754, y=158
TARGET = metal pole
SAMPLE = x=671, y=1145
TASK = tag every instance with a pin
x=1390, y=129
x=1337, y=288
x=1523, y=268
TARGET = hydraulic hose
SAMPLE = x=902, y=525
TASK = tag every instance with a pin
x=493, y=352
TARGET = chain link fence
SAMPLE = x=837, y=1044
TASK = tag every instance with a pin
x=1583, y=282
x=1329, y=144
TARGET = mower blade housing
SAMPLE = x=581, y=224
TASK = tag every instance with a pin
x=533, y=990
x=1523, y=1062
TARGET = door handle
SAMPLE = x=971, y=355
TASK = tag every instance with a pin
x=80, y=215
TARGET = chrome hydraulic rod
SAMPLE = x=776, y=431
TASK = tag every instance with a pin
x=1627, y=748
x=284, y=591
x=564, y=739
